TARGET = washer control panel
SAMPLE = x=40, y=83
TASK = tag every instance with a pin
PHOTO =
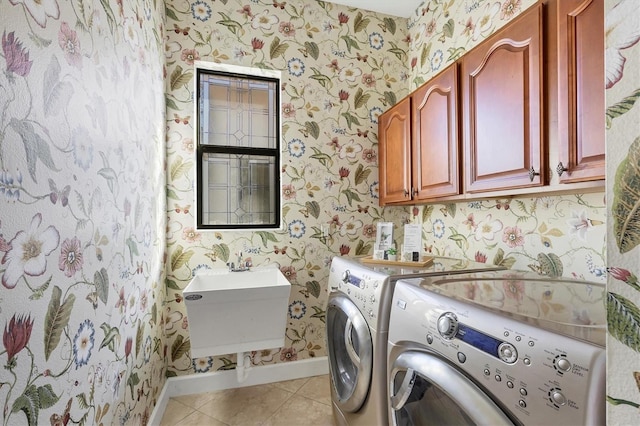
x=364, y=287
x=540, y=376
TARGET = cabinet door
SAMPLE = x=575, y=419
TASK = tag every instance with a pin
x=502, y=108
x=394, y=144
x=581, y=104
x=434, y=109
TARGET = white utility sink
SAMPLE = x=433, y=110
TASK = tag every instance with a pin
x=233, y=312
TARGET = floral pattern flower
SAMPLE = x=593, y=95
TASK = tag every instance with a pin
x=297, y=309
x=487, y=228
x=289, y=354
x=83, y=343
x=16, y=335
x=264, y=21
x=28, y=252
x=438, y=228
x=16, y=56
x=200, y=10
x=71, y=258
x=295, y=67
x=579, y=224
x=513, y=236
x=202, y=365
x=376, y=40
x=297, y=229
x=70, y=45
x=296, y=148
x=40, y=10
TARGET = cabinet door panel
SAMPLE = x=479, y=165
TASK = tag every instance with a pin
x=435, y=136
x=394, y=134
x=581, y=103
x=502, y=106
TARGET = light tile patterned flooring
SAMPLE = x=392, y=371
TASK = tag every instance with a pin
x=297, y=402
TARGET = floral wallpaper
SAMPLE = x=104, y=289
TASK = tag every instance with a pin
x=96, y=184
x=623, y=198
x=342, y=68
x=82, y=225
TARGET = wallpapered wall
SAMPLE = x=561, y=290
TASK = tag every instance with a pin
x=623, y=199
x=341, y=69
x=81, y=211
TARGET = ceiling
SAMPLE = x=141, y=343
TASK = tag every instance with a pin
x=402, y=8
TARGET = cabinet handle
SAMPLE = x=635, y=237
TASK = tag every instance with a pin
x=532, y=173
x=561, y=169
x=406, y=193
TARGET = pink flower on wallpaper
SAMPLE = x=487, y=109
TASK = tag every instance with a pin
x=288, y=110
x=513, y=236
x=510, y=8
x=481, y=257
x=190, y=235
x=369, y=231
x=28, y=252
x=369, y=80
x=71, y=259
x=17, y=58
x=289, y=354
x=190, y=55
x=39, y=10
x=287, y=29
x=487, y=229
x=370, y=155
x=289, y=272
x=70, y=45
x=288, y=192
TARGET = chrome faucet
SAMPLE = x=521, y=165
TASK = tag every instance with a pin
x=240, y=265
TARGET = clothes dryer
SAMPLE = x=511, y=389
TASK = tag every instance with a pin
x=497, y=348
x=357, y=321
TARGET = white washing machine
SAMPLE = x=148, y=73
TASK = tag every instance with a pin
x=497, y=348
x=357, y=332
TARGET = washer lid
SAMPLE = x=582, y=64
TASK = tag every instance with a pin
x=573, y=307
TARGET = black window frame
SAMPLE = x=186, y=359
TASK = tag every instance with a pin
x=202, y=149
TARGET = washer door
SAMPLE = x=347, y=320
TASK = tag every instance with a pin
x=350, y=351
x=425, y=390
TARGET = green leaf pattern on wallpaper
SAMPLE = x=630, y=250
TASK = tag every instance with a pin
x=626, y=202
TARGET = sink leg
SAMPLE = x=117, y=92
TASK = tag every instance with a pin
x=243, y=365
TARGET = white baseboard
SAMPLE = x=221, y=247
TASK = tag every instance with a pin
x=219, y=380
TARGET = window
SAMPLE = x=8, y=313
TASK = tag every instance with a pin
x=238, y=147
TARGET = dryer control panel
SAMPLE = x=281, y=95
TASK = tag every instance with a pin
x=539, y=376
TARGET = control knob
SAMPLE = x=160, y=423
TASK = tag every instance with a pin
x=345, y=276
x=448, y=325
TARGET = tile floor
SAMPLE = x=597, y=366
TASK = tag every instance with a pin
x=297, y=402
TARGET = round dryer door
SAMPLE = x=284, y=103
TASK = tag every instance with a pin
x=425, y=390
x=350, y=351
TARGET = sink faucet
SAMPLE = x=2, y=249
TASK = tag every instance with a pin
x=240, y=265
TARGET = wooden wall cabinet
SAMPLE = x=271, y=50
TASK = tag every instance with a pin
x=394, y=153
x=581, y=96
x=436, y=160
x=419, y=143
x=502, y=97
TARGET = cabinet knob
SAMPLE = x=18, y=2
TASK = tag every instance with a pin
x=561, y=169
x=414, y=192
x=532, y=173
x=406, y=193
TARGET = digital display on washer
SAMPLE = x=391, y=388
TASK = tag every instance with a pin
x=353, y=280
x=478, y=340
